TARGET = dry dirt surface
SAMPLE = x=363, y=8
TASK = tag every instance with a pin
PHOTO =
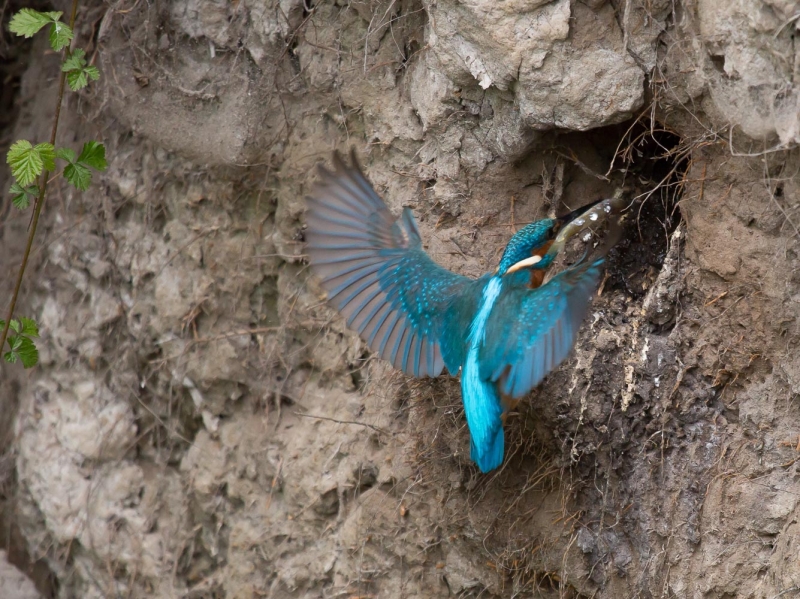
x=202, y=425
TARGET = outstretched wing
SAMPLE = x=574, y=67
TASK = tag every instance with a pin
x=530, y=332
x=375, y=271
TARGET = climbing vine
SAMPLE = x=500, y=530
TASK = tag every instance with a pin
x=34, y=165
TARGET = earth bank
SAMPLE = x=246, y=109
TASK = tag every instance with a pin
x=202, y=425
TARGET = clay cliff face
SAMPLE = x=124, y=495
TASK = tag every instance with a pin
x=202, y=425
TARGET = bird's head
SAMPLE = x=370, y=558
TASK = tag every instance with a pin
x=535, y=246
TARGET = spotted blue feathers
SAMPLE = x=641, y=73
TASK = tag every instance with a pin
x=375, y=271
x=519, y=352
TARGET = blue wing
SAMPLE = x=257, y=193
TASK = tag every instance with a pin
x=375, y=271
x=457, y=320
x=530, y=332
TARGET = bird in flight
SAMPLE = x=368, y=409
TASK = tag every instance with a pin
x=504, y=331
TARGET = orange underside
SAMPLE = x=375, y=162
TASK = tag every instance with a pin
x=537, y=275
x=537, y=278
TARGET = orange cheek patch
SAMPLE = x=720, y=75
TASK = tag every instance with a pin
x=543, y=249
x=537, y=275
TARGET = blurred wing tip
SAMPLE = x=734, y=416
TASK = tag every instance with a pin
x=313, y=200
x=341, y=170
x=354, y=159
x=340, y=161
x=323, y=171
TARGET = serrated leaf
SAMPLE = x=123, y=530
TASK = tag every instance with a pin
x=28, y=353
x=15, y=326
x=48, y=155
x=77, y=80
x=25, y=162
x=15, y=341
x=60, y=36
x=94, y=154
x=19, y=146
x=78, y=175
x=17, y=188
x=11, y=357
x=75, y=61
x=20, y=201
x=27, y=22
x=65, y=154
x=29, y=327
x=78, y=73
x=21, y=196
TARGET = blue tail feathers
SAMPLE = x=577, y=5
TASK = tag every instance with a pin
x=490, y=456
x=484, y=411
x=481, y=402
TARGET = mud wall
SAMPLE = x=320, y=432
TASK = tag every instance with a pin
x=202, y=425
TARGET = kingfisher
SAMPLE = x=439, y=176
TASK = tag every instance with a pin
x=503, y=331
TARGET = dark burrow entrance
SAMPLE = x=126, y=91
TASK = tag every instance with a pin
x=652, y=162
x=649, y=161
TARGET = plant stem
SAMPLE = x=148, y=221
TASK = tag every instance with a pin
x=40, y=200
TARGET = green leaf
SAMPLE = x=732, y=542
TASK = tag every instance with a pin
x=22, y=347
x=77, y=171
x=93, y=72
x=60, y=35
x=79, y=175
x=75, y=61
x=94, y=154
x=78, y=73
x=77, y=80
x=25, y=162
x=29, y=327
x=65, y=154
x=48, y=155
x=28, y=353
x=21, y=196
x=21, y=201
x=27, y=22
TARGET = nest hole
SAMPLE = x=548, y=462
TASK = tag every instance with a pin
x=651, y=160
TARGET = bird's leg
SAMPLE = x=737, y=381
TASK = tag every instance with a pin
x=508, y=404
